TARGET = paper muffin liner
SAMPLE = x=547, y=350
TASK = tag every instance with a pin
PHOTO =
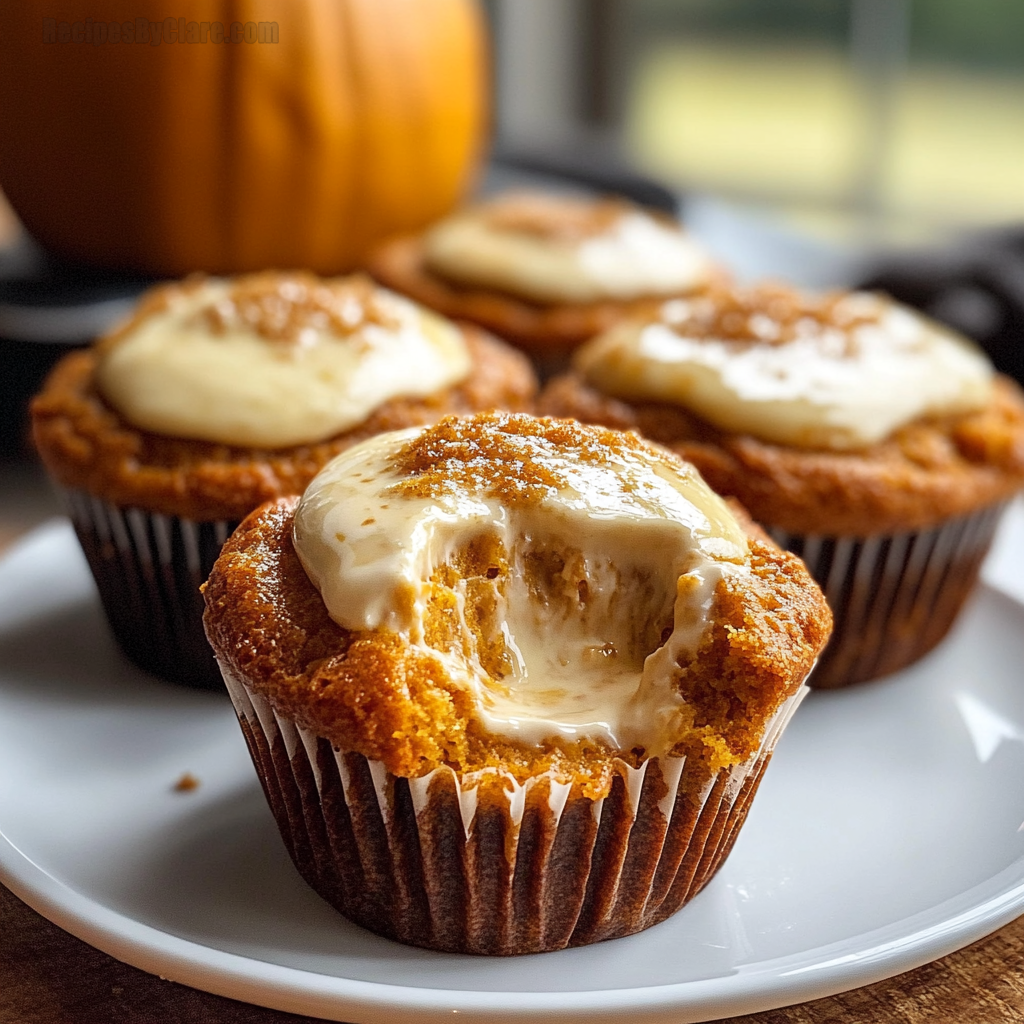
x=148, y=569
x=479, y=863
x=894, y=596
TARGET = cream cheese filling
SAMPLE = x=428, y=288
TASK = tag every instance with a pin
x=634, y=256
x=826, y=386
x=262, y=386
x=574, y=622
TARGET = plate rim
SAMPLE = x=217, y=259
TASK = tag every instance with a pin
x=761, y=986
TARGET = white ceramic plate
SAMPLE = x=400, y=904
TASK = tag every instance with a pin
x=888, y=832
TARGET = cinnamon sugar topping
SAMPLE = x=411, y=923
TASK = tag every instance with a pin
x=296, y=308
x=498, y=455
x=774, y=315
x=558, y=218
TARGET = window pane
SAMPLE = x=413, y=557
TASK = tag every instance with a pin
x=914, y=110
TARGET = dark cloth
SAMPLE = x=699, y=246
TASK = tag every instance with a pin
x=976, y=288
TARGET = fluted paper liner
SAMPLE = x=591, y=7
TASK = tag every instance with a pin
x=479, y=863
x=893, y=597
x=148, y=569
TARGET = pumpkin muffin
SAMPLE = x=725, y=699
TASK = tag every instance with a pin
x=510, y=684
x=876, y=444
x=546, y=272
x=218, y=395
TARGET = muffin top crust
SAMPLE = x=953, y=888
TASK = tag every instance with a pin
x=88, y=442
x=562, y=622
x=273, y=360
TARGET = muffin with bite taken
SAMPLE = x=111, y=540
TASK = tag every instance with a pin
x=510, y=684
x=546, y=272
x=217, y=395
x=876, y=444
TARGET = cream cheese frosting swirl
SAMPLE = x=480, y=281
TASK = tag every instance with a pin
x=274, y=360
x=555, y=249
x=839, y=372
x=580, y=565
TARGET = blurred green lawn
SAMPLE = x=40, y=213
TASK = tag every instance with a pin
x=790, y=124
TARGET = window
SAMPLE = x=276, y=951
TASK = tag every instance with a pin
x=892, y=112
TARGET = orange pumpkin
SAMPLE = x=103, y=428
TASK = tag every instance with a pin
x=173, y=152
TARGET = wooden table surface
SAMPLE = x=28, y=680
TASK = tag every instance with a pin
x=49, y=977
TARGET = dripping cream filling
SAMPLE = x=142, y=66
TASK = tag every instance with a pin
x=561, y=590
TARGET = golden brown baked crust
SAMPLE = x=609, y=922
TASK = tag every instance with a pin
x=544, y=330
x=87, y=446
x=376, y=694
x=926, y=472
